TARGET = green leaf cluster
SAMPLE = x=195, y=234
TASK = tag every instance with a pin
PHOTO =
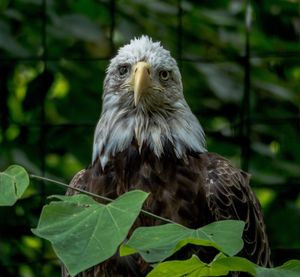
x=84, y=233
x=222, y=266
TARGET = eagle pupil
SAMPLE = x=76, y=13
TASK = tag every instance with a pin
x=123, y=70
x=164, y=75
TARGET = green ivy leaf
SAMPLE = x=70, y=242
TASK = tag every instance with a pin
x=157, y=243
x=13, y=183
x=84, y=232
x=220, y=266
x=178, y=268
x=289, y=269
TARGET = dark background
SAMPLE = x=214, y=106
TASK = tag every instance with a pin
x=242, y=81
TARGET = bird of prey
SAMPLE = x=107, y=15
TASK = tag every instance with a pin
x=147, y=138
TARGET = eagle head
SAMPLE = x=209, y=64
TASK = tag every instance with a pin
x=143, y=102
x=145, y=76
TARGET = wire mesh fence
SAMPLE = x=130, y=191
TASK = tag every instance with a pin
x=242, y=86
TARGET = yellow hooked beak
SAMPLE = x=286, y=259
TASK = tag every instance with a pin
x=141, y=80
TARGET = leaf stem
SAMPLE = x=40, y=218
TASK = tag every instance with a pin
x=97, y=196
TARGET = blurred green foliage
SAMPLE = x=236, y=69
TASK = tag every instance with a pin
x=53, y=56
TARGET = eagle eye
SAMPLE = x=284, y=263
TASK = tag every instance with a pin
x=123, y=70
x=164, y=75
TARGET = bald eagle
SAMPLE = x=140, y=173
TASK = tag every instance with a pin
x=147, y=138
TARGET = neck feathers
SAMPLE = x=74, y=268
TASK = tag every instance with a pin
x=117, y=128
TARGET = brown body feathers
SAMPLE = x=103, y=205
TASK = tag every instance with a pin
x=203, y=189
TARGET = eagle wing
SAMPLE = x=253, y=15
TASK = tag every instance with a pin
x=77, y=182
x=229, y=196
